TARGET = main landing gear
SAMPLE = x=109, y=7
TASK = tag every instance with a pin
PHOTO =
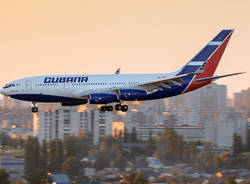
x=34, y=109
x=106, y=108
x=118, y=107
x=123, y=108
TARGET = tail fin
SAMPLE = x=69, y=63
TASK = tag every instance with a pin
x=118, y=71
x=207, y=60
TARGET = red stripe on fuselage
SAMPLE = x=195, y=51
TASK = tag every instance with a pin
x=210, y=67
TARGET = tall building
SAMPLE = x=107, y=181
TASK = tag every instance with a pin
x=233, y=122
x=221, y=128
x=229, y=102
x=242, y=99
x=101, y=125
x=195, y=107
x=18, y=104
x=213, y=97
x=7, y=103
x=118, y=129
x=56, y=122
x=189, y=133
x=35, y=124
x=61, y=123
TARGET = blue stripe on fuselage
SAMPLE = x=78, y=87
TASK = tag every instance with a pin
x=173, y=91
x=166, y=92
x=43, y=98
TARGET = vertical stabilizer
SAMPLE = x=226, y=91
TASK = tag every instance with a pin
x=207, y=60
x=209, y=57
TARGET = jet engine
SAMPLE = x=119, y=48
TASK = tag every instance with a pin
x=102, y=98
x=74, y=103
x=132, y=94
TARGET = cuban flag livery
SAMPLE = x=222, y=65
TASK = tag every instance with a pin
x=108, y=89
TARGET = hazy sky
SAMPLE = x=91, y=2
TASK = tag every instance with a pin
x=140, y=36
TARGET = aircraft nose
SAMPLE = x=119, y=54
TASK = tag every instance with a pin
x=2, y=91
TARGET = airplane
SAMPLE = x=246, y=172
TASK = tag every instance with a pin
x=105, y=89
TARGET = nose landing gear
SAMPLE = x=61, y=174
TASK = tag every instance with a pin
x=34, y=109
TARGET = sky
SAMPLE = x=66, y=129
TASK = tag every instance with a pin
x=40, y=37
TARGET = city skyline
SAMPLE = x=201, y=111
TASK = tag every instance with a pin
x=79, y=37
x=196, y=115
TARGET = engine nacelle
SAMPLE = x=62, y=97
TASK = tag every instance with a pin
x=74, y=103
x=132, y=94
x=102, y=98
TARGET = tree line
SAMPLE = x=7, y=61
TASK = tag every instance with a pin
x=65, y=156
x=56, y=156
x=168, y=147
x=171, y=148
x=6, y=141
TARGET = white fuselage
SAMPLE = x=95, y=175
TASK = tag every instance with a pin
x=70, y=86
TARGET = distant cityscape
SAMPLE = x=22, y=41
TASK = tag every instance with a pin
x=119, y=144
x=205, y=115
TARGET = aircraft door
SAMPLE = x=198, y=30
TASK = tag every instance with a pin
x=28, y=85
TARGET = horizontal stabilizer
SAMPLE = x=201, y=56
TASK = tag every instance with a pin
x=217, y=77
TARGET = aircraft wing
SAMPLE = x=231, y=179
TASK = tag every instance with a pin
x=149, y=87
x=159, y=84
x=84, y=94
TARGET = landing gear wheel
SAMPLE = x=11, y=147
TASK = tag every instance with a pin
x=103, y=108
x=124, y=108
x=34, y=109
x=109, y=108
x=118, y=107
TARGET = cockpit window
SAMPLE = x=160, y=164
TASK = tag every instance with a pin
x=8, y=85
